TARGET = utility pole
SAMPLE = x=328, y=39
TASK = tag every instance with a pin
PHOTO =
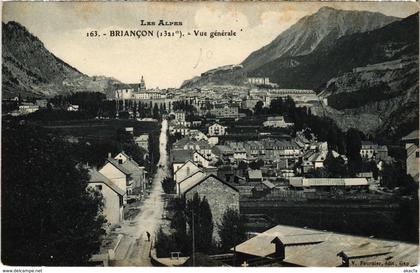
x=193, y=238
x=234, y=245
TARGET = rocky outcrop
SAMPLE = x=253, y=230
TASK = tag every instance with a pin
x=376, y=99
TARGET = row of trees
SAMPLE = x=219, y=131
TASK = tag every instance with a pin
x=48, y=217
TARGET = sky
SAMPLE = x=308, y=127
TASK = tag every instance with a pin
x=166, y=61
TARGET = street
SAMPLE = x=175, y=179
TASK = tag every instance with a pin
x=134, y=247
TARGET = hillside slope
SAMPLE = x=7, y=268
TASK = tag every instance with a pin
x=282, y=56
x=30, y=69
x=323, y=27
x=314, y=70
x=380, y=98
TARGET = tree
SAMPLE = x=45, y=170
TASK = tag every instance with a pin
x=335, y=166
x=164, y=244
x=155, y=112
x=256, y=165
x=168, y=185
x=232, y=230
x=353, y=146
x=48, y=216
x=258, y=107
x=203, y=223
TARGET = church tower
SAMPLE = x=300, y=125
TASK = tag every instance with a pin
x=142, y=85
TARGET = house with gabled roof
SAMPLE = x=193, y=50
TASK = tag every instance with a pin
x=185, y=170
x=113, y=196
x=138, y=173
x=178, y=158
x=219, y=194
x=115, y=171
x=200, y=159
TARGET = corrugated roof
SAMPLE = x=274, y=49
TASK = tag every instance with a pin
x=310, y=247
x=319, y=182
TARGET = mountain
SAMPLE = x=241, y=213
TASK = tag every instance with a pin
x=30, y=69
x=321, y=29
x=380, y=93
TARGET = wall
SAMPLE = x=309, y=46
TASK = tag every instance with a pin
x=112, y=209
x=219, y=196
x=116, y=176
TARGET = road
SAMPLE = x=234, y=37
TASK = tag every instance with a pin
x=134, y=247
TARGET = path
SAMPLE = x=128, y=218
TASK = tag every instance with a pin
x=134, y=247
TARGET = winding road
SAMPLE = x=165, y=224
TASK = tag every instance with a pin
x=134, y=248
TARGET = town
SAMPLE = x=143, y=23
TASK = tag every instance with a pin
x=250, y=134
x=254, y=165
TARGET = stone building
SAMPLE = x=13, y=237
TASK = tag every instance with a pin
x=219, y=194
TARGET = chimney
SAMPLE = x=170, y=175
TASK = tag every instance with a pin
x=280, y=251
x=109, y=155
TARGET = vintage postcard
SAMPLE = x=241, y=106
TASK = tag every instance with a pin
x=217, y=134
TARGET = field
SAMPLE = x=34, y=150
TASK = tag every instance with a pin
x=95, y=128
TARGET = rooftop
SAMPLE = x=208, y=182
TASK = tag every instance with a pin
x=311, y=247
x=96, y=176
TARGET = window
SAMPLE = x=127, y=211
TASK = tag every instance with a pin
x=417, y=154
x=98, y=187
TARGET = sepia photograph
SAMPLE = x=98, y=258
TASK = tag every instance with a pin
x=209, y=134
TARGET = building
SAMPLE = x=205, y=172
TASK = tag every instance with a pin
x=138, y=173
x=113, y=196
x=262, y=189
x=187, y=143
x=178, y=158
x=73, y=108
x=179, y=116
x=293, y=246
x=113, y=170
x=217, y=130
x=412, y=149
x=42, y=103
x=225, y=112
x=277, y=122
x=219, y=194
x=186, y=169
x=142, y=141
x=370, y=150
x=254, y=176
x=27, y=108
x=249, y=103
x=180, y=129
x=201, y=160
x=259, y=80
x=198, y=135
x=328, y=183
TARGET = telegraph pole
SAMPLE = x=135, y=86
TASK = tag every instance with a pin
x=193, y=238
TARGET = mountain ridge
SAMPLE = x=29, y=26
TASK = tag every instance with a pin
x=30, y=69
x=305, y=35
